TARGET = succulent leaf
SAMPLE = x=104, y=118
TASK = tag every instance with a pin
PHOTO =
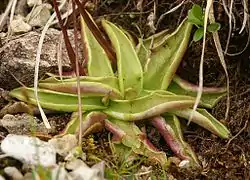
x=87, y=88
x=205, y=120
x=97, y=59
x=169, y=127
x=146, y=45
x=56, y=100
x=210, y=96
x=165, y=59
x=147, y=106
x=131, y=136
x=128, y=65
x=128, y=132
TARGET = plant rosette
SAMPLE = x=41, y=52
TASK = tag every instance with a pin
x=144, y=86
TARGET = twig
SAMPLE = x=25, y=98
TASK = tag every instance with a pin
x=229, y=141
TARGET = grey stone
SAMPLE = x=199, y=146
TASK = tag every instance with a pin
x=39, y=16
x=18, y=57
x=18, y=25
x=22, y=124
x=14, y=173
x=65, y=144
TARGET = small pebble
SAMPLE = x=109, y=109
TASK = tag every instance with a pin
x=18, y=25
x=32, y=3
x=14, y=173
x=64, y=144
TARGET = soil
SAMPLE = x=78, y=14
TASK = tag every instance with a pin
x=221, y=159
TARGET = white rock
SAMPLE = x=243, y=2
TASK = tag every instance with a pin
x=184, y=164
x=83, y=172
x=18, y=25
x=14, y=173
x=30, y=150
x=64, y=144
x=74, y=164
x=2, y=178
x=2, y=34
x=32, y=3
x=39, y=16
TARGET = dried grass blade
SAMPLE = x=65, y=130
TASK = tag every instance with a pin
x=200, y=89
x=221, y=56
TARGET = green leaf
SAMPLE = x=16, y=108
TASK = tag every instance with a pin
x=147, y=106
x=165, y=60
x=213, y=27
x=195, y=15
x=144, y=46
x=197, y=11
x=56, y=100
x=130, y=132
x=205, y=120
x=210, y=95
x=107, y=80
x=97, y=59
x=129, y=68
x=88, y=88
x=131, y=136
x=198, y=34
x=72, y=126
x=92, y=122
x=129, y=36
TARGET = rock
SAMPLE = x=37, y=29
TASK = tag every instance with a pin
x=76, y=152
x=74, y=164
x=21, y=8
x=14, y=173
x=28, y=176
x=22, y=124
x=16, y=107
x=18, y=58
x=2, y=178
x=29, y=150
x=18, y=25
x=2, y=34
x=64, y=144
x=83, y=172
x=184, y=164
x=32, y=3
x=39, y=16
